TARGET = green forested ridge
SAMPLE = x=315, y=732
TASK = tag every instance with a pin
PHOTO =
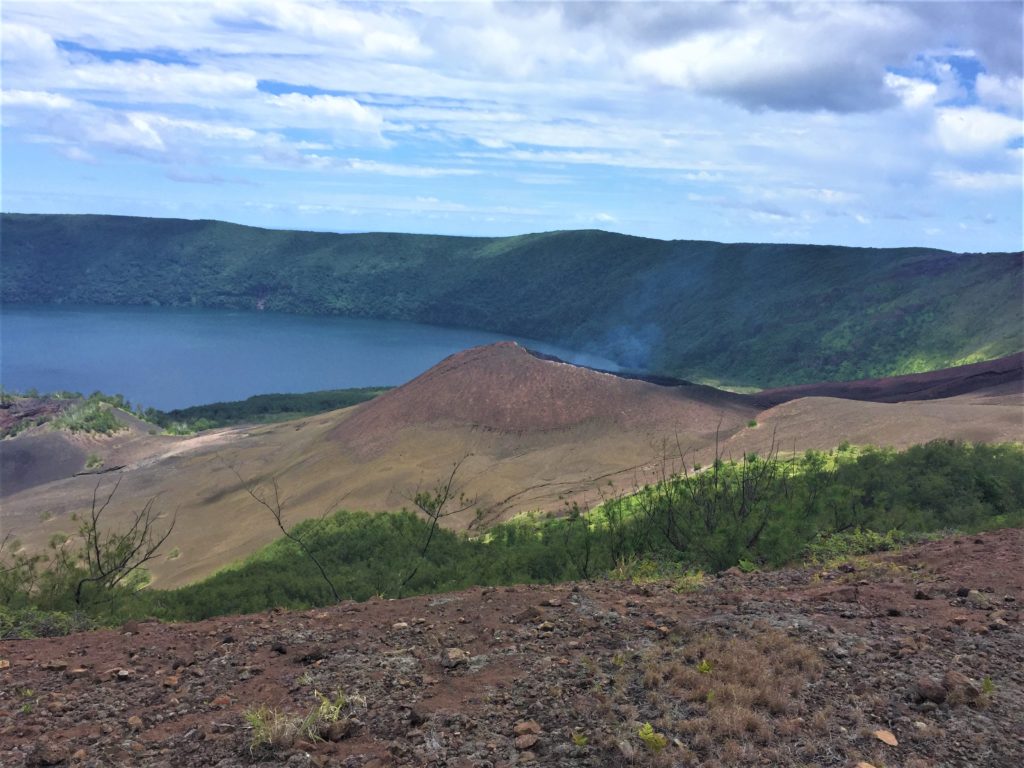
x=261, y=408
x=760, y=512
x=735, y=313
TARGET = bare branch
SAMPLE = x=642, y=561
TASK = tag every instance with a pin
x=112, y=558
x=276, y=509
x=435, y=507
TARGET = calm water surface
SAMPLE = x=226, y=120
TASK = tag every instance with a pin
x=172, y=358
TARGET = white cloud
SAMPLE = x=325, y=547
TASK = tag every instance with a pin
x=911, y=91
x=973, y=129
x=36, y=100
x=152, y=82
x=624, y=107
x=302, y=110
x=1001, y=91
x=981, y=181
x=24, y=46
x=791, y=57
x=127, y=132
x=393, y=169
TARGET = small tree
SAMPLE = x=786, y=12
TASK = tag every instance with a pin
x=274, y=504
x=110, y=559
x=443, y=501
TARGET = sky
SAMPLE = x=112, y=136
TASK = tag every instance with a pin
x=851, y=123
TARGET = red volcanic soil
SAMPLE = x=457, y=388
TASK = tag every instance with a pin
x=798, y=667
x=506, y=388
x=1006, y=373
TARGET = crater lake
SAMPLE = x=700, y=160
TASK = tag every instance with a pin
x=173, y=358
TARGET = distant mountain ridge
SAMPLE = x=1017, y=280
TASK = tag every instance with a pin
x=742, y=314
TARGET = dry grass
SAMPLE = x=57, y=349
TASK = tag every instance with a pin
x=719, y=699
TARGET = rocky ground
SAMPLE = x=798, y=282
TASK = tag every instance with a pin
x=903, y=659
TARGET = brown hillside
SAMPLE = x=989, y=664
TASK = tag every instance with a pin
x=532, y=433
x=506, y=388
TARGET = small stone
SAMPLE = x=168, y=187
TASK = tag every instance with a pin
x=279, y=649
x=77, y=673
x=47, y=753
x=862, y=764
x=338, y=730
x=530, y=614
x=978, y=600
x=398, y=625
x=929, y=689
x=626, y=750
x=57, y=665
x=221, y=701
x=922, y=595
x=545, y=626
x=886, y=737
x=526, y=726
x=553, y=602
x=171, y=681
x=135, y=723
x=526, y=741
x=893, y=612
x=124, y=674
x=963, y=592
x=79, y=755
x=454, y=657
x=5, y=664
x=959, y=685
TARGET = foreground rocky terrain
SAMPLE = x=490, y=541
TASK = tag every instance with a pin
x=913, y=658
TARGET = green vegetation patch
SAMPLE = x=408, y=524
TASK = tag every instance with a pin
x=259, y=409
x=93, y=415
x=756, y=513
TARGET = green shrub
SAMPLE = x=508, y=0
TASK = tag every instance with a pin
x=828, y=546
x=25, y=623
x=93, y=416
x=651, y=739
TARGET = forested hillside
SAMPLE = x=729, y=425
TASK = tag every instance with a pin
x=741, y=314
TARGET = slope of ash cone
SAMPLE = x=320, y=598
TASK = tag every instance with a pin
x=506, y=388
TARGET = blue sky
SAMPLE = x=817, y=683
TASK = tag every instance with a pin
x=845, y=122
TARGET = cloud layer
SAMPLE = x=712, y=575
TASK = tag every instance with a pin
x=845, y=122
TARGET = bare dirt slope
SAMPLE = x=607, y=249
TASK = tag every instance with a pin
x=532, y=433
x=907, y=659
x=506, y=388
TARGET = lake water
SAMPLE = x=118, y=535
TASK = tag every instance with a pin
x=173, y=358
